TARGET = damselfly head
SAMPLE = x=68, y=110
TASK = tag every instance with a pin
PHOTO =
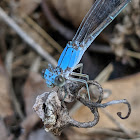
x=59, y=80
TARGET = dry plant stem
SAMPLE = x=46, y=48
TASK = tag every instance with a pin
x=98, y=105
x=53, y=112
x=8, y=64
x=43, y=33
x=124, y=101
x=86, y=124
x=35, y=65
x=132, y=54
x=9, y=21
x=55, y=115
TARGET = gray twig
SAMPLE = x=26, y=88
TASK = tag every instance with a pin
x=52, y=110
x=17, y=106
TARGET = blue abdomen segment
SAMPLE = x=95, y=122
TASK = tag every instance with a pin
x=64, y=59
x=49, y=77
x=70, y=57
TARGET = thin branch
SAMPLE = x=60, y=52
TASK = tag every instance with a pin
x=98, y=105
x=132, y=54
x=35, y=65
x=8, y=63
x=86, y=124
x=44, y=34
x=124, y=101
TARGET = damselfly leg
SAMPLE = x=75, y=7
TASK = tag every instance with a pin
x=80, y=75
x=83, y=81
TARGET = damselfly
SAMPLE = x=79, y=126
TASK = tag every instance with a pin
x=99, y=16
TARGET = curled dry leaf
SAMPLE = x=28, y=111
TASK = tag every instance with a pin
x=48, y=107
x=5, y=100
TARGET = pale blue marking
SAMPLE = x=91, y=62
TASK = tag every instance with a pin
x=111, y=17
x=75, y=56
x=62, y=55
x=66, y=59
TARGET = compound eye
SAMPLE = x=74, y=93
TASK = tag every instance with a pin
x=59, y=80
x=42, y=73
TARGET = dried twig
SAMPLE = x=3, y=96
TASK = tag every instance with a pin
x=26, y=38
x=8, y=64
x=55, y=115
x=132, y=54
x=36, y=64
x=53, y=112
x=43, y=33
